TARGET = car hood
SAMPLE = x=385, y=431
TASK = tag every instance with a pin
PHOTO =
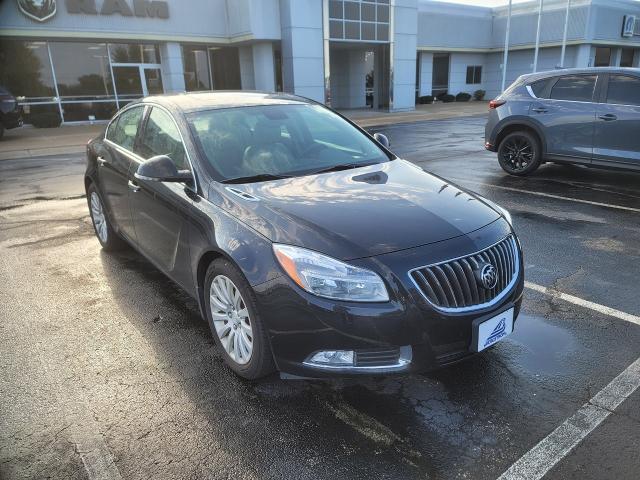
x=356, y=213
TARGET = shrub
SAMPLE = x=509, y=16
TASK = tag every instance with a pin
x=440, y=96
x=426, y=99
x=45, y=120
x=463, y=97
x=479, y=95
x=448, y=98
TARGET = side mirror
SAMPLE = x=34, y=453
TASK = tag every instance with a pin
x=382, y=139
x=162, y=169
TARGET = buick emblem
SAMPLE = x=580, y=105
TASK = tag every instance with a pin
x=487, y=276
x=39, y=10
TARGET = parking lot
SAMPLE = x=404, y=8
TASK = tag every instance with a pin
x=108, y=371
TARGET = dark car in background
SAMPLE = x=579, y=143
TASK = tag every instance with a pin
x=10, y=111
x=309, y=246
x=583, y=116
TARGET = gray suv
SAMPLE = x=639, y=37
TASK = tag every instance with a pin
x=589, y=116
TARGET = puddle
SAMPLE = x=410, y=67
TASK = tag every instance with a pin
x=545, y=347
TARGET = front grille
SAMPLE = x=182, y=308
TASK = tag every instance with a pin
x=378, y=357
x=452, y=285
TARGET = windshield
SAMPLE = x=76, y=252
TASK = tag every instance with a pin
x=274, y=141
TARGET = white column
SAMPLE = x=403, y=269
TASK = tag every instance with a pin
x=404, y=48
x=583, y=56
x=263, y=66
x=426, y=73
x=172, y=67
x=636, y=58
x=302, y=48
x=247, y=80
x=616, y=56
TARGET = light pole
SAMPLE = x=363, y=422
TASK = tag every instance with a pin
x=506, y=48
x=535, y=56
x=564, y=37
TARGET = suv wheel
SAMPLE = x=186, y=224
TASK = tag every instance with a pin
x=519, y=153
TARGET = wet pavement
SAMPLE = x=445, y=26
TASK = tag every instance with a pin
x=105, y=360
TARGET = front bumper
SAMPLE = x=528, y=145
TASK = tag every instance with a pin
x=301, y=324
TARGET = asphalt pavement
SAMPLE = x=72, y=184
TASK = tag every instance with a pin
x=108, y=371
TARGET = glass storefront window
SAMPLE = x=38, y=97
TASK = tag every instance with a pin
x=26, y=70
x=603, y=57
x=225, y=68
x=128, y=83
x=83, y=111
x=196, y=68
x=82, y=70
x=134, y=53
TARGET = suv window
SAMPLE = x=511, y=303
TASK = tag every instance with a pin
x=538, y=87
x=123, y=130
x=578, y=88
x=161, y=137
x=623, y=90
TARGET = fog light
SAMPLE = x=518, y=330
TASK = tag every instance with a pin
x=333, y=357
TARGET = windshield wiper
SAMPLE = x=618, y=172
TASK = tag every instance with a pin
x=342, y=166
x=261, y=177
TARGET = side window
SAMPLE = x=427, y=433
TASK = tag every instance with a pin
x=623, y=90
x=123, y=131
x=161, y=137
x=578, y=88
x=538, y=87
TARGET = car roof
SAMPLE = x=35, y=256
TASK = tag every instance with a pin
x=577, y=71
x=195, y=101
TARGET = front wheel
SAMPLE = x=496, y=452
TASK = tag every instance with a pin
x=519, y=153
x=235, y=322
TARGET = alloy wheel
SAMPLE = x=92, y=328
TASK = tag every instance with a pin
x=231, y=319
x=517, y=153
x=98, y=217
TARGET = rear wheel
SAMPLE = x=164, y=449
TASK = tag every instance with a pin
x=519, y=153
x=107, y=237
x=234, y=320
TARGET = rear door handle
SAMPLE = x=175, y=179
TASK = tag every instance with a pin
x=608, y=117
x=539, y=110
x=101, y=161
x=133, y=187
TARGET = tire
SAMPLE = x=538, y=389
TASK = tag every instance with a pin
x=107, y=237
x=233, y=330
x=519, y=153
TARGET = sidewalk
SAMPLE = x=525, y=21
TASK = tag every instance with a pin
x=29, y=142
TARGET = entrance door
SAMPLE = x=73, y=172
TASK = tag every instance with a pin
x=135, y=81
x=440, y=78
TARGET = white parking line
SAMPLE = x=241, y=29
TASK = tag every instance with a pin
x=534, y=464
x=612, y=312
x=549, y=195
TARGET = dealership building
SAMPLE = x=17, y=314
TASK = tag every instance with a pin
x=83, y=59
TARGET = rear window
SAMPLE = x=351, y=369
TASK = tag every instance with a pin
x=538, y=87
x=577, y=88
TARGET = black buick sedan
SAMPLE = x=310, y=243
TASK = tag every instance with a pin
x=310, y=247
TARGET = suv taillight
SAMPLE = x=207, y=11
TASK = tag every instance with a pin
x=496, y=103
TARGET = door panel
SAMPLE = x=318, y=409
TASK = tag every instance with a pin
x=114, y=167
x=617, y=129
x=568, y=116
x=160, y=210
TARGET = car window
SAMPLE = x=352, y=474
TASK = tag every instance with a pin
x=162, y=137
x=578, y=88
x=623, y=90
x=279, y=140
x=123, y=130
x=538, y=87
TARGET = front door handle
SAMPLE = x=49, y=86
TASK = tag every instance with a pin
x=101, y=161
x=539, y=110
x=608, y=117
x=133, y=187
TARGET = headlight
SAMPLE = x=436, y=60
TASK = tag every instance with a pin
x=330, y=278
